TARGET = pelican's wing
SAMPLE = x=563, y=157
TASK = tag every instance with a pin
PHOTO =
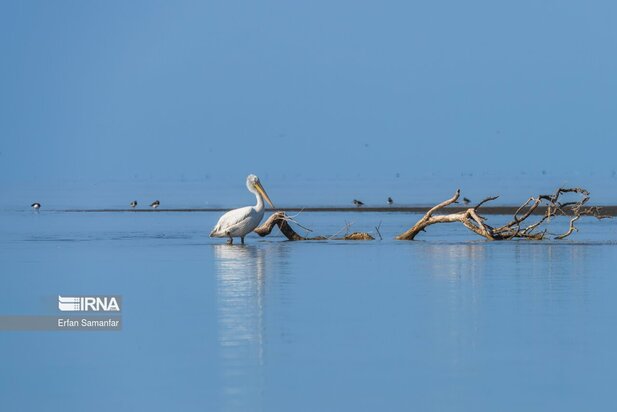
x=231, y=219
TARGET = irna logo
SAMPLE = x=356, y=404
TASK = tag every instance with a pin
x=89, y=303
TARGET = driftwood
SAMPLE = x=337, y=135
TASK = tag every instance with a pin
x=281, y=220
x=518, y=227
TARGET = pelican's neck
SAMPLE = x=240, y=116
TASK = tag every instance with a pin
x=260, y=202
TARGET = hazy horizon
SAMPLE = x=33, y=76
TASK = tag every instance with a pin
x=154, y=90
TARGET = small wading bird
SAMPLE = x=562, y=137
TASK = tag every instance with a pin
x=35, y=206
x=358, y=203
x=155, y=204
x=133, y=204
x=242, y=221
x=390, y=201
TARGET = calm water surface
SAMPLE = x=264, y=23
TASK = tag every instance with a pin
x=446, y=323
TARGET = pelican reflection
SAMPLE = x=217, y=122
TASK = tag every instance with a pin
x=240, y=272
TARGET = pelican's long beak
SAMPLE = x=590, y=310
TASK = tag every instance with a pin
x=262, y=192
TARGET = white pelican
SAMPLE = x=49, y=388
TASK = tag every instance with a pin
x=35, y=206
x=133, y=204
x=155, y=204
x=242, y=221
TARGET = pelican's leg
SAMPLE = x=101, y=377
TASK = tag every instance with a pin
x=231, y=239
x=242, y=239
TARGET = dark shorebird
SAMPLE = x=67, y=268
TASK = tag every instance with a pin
x=466, y=201
x=155, y=204
x=390, y=201
x=35, y=206
x=133, y=204
x=358, y=203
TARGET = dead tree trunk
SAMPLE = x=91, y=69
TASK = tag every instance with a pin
x=281, y=220
x=516, y=228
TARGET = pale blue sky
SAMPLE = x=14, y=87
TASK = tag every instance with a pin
x=170, y=90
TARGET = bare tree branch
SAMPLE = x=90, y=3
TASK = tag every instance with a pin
x=281, y=220
x=571, y=228
x=518, y=227
x=514, y=228
x=428, y=218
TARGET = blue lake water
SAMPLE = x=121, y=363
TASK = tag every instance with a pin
x=446, y=323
